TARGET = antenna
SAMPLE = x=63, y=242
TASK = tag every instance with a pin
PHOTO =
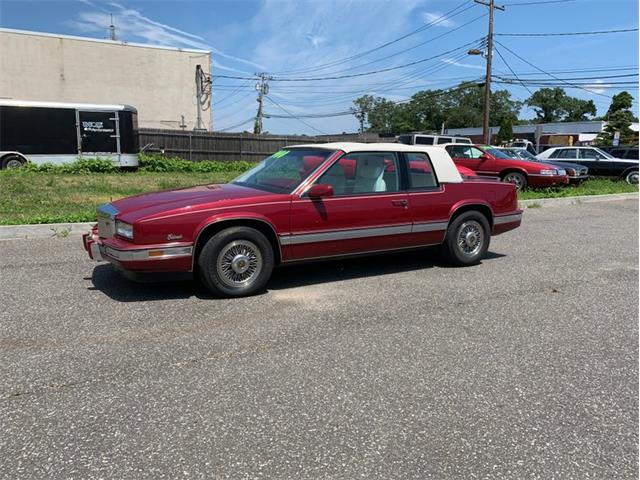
x=112, y=30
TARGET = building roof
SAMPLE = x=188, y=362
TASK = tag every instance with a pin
x=445, y=169
x=8, y=102
x=100, y=40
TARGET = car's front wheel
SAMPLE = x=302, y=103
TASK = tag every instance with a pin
x=631, y=177
x=467, y=239
x=517, y=178
x=236, y=262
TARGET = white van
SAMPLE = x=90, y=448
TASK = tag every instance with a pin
x=424, y=139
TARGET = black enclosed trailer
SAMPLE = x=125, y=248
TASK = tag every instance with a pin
x=49, y=132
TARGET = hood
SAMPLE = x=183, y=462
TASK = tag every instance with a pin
x=135, y=208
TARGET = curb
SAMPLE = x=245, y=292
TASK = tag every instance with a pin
x=564, y=201
x=44, y=230
x=63, y=230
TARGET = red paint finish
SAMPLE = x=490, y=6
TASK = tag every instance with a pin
x=303, y=227
x=490, y=165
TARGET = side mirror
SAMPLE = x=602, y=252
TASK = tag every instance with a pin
x=320, y=190
x=484, y=156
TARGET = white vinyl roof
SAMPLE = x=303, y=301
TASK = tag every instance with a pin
x=446, y=170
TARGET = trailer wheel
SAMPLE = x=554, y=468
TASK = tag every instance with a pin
x=12, y=161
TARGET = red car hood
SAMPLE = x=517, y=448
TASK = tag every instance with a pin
x=137, y=207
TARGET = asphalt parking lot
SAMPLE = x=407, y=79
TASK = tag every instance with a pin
x=397, y=366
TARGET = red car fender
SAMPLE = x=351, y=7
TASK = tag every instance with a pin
x=514, y=169
x=467, y=202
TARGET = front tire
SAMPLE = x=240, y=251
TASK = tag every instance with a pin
x=632, y=177
x=467, y=239
x=517, y=178
x=236, y=262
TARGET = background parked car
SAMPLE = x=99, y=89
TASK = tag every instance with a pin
x=628, y=153
x=600, y=163
x=576, y=173
x=492, y=162
x=424, y=139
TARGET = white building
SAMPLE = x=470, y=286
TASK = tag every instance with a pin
x=158, y=81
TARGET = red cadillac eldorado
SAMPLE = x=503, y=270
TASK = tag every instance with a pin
x=304, y=203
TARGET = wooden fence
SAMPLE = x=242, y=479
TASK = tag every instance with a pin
x=198, y=146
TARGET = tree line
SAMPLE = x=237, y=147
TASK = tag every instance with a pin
x=463, y=106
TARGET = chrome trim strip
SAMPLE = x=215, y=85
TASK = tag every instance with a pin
x=507, y=219
x=143, y=254
x=429, y=227
x=344, y=234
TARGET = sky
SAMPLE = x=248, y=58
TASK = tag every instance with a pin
x=420, y=44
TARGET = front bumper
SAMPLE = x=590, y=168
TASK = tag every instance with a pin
x=148, y=258
x=578, y=178
x=542, y=181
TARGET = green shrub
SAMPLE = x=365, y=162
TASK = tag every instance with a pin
x=80, y=166
x=158, y=163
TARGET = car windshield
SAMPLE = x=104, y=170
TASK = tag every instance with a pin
x=283, y=171
x=496, y=153
x=525, y=154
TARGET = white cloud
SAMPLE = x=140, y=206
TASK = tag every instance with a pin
x=597, y=87
x=451, y=61
x=437, y=19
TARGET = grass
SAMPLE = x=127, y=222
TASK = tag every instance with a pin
x=600, y=186
x=53, y=197
x=31, y=197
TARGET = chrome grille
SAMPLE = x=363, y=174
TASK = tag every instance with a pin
x=106, y=220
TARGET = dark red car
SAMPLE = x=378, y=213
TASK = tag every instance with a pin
x=305, y=203
x=490, y=161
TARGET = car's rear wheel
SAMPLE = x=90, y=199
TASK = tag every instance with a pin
x=467, y=239
x=236, y=262
x=517, y=178
x=631, y=177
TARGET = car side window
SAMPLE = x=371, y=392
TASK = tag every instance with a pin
x=566, y=153
x=359, y=173
x=442, y=140
x=421, y=173
x=424, y=140
x=588, y=154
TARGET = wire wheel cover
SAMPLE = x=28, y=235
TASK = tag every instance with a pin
x=239, y=263
x=470, y=238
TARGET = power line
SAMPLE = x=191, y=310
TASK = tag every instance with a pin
x=436, y=21
x=563, y=34
x=353, y=75
x=291, y=115
x=536, y=3
x=547, y=73
x=572, y=78
x=236, y=126
x=511, y=69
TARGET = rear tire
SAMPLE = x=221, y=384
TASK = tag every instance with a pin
x=236, y=262
x=12, y=161
x=517, y=178
x=631, y=177
x=467, y=239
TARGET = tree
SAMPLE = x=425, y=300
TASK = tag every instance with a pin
x=548, y=103
x=619, y=119
x=577, y=110
x=554, y=105
x=506, y=130
x=363, y=106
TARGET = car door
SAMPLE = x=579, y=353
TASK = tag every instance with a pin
x=471, y=157
x=594, y=161
x=429, y=209
x=368, y=211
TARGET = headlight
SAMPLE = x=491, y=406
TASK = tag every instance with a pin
x=548, y=172
x=571, y=172
x=124, y=229
x=562, y=171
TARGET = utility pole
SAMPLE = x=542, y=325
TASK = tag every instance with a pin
x=486, y=127
x=112, y=30
x=203, y=96
x=263, y=89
